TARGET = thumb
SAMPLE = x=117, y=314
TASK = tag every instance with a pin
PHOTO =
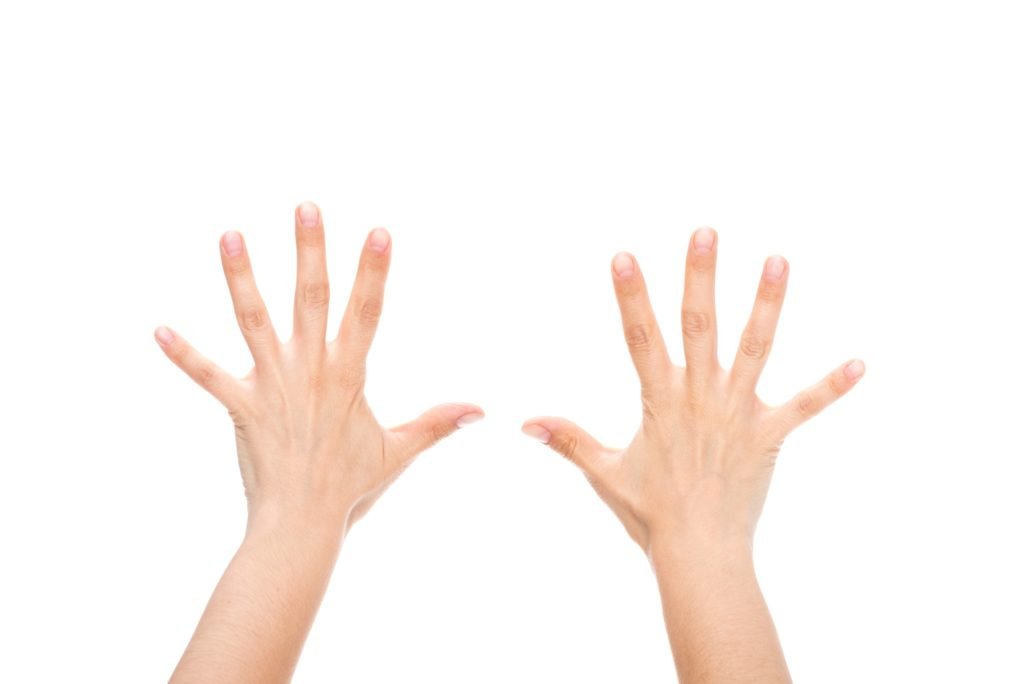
x=568, y=439
x=432, y=426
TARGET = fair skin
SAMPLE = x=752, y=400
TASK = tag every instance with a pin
x=690, y=487
x=313, y=457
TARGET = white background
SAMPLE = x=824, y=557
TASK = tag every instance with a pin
x=512, y=149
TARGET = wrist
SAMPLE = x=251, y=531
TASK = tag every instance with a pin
x=294, y=522
x=700, y=529
x=699, y=551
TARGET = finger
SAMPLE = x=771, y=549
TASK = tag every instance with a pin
x=208, y=375
x=811, y=401
x=249, y=307
x=431, y=427
x=568, y=439
x=365, y=303
x=700, y=343
x=759, y=334
x=643, y=336
x=312, y=291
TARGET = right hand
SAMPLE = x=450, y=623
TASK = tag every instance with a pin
x=700, y=464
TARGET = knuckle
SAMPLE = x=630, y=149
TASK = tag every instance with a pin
x=177, y=352
x=754, y=346
x=836, y=385
x=206, y=376
x=369, y=310
x=702, y=263
x=438, y=431
x=375, y=263
x=806, y=404
x=695, y=323
x=253, y=319
x=237, y=267
x=770, y=292
x=568, y=445
x=315, y=294
x=638, y=336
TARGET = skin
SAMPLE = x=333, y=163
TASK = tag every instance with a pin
x=690, y=487
x=312, y=455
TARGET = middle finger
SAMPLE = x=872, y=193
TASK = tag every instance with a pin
x=700, y=342
x=312, y=290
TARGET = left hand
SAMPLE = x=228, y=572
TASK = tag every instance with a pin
x=309, y=448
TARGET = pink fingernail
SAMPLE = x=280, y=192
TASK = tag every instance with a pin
x=232, y=243
x=623, y=265
x=703, y=241
x=309, y=215
x=854, y=369
x=468, y=418
x=537, y=432
x=379, y=240
x=774, y=267
x=164, y=335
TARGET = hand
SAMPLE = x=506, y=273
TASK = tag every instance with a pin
x=701, y=461
x=309, y=447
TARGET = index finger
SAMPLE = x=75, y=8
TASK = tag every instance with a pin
x=365, y=304
x=251, y=312
x=640, y=327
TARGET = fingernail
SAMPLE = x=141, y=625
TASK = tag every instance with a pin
x=232, y=243
x=703, y=241
x=854, y=369
x=379, y=239
x=623, y=265
x=774, y=267
x=164, y=335
x=468, y=418
x=309, y=215
x=537, y=432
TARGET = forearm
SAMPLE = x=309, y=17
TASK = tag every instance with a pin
x=257, y=620
x=718, y=622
